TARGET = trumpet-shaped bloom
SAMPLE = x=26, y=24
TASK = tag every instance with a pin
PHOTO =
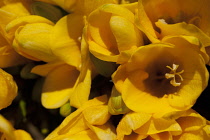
x=7, y=132
x=8, y=89
x=189, y=125
x=111, y=30
x=90, y=121
x=171, y=79
x=9, y=10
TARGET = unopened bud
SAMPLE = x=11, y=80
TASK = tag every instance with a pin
x=48, y=11
x=116, y=104
x=66, y=109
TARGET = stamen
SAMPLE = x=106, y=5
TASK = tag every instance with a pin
x=173, y=74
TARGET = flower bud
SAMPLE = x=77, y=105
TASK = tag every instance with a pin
x=116, y=105
x=66, y=109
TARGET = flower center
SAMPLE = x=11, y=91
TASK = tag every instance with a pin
x=173, y=74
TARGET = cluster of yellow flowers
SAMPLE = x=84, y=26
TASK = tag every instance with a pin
x=152, y=54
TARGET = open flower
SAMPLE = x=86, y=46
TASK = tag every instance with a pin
x=171, y=79
x=9, y=10
x=111, y=30
x=90, y=121
x=7, y=132
x=8, y=89
x=175, y=18
x=189, y=125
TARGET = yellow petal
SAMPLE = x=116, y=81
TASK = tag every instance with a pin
x=6, y=128
x=8, y=89
x=21, y=21
x=158, y=125
x=65, y=39
x=131, y=121
x=32, y=41
x=58, y=86
x=126, y=34
x=106, y=131
x=22, y=135
x=97, y=115
x=43, y=70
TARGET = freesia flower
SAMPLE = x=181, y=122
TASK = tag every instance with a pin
x=68, y=45
x=9, y=10
x=90, y=121
x=8, y=89
x=189, y=125
x=111, y=30
x=7, y=132
x=171, y=79
x=175, y=18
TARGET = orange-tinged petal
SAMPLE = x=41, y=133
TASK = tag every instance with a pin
x=59, y=83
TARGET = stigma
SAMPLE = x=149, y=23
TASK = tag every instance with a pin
x=173, y=74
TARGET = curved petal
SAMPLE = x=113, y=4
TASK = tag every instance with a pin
x=58, y=86
x=65, y=39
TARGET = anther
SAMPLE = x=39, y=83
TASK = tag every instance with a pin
x=173, y=73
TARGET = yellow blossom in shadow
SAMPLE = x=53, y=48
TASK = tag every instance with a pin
x=90, y=121
x=171, y=79
x=7, y=132
x=111, y=30
x=9, y=10
x=8, y=89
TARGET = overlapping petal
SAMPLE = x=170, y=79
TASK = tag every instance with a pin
x=141, y=80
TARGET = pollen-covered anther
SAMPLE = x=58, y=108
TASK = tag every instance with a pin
x=172, y=74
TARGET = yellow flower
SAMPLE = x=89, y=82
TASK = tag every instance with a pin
x=31, y=37
x=171, y=79
x=90, y=121
x=8, y=89
x=175, y=18
x=143, y=126
x=111, y=30
x=9, y=10
x=70, y=80
x=7, y=132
